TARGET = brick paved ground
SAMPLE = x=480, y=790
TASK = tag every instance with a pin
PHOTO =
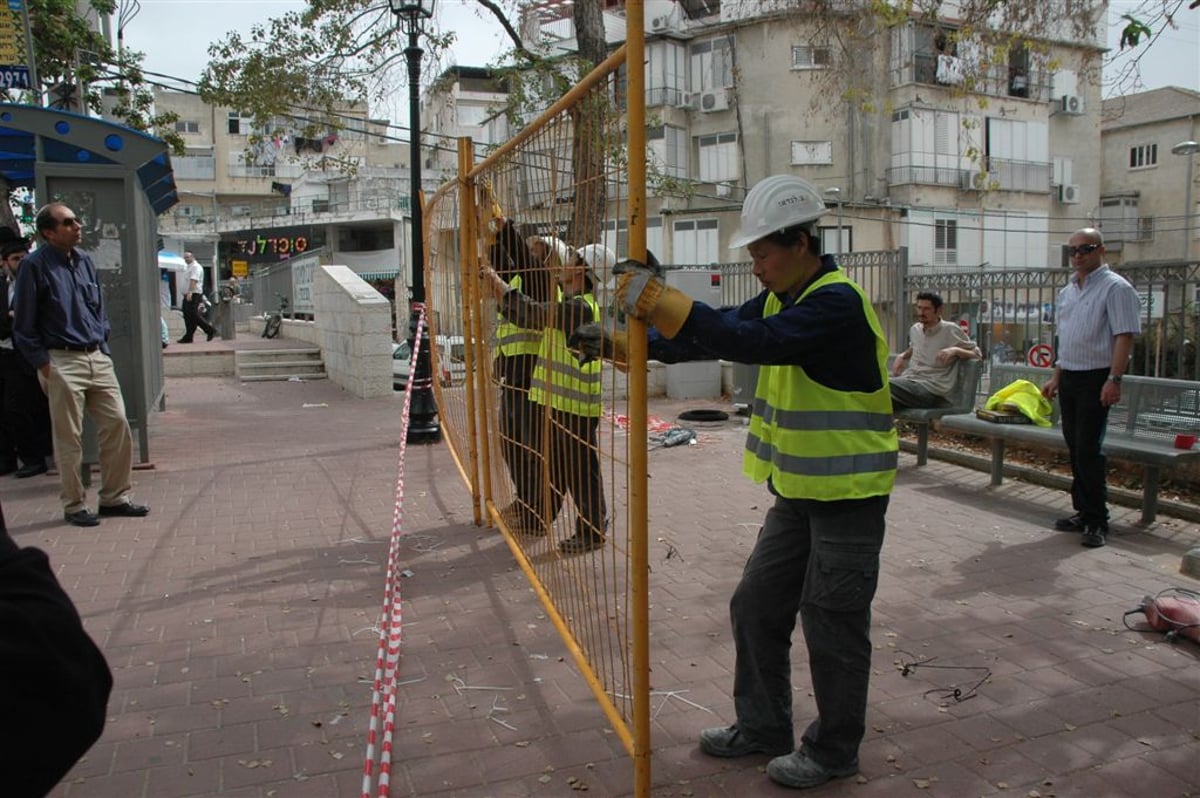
x=237, y=619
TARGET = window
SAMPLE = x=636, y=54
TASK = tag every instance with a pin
x=1119, y=220
x=239, y=125
x=712, y=64
x=185, y=126
x=1146, y=228
x=718, y=157
x=945, y=242
x=668, y=146
x=810, y=56
x=812, y=152
x=1143, y=155
x=694, y=242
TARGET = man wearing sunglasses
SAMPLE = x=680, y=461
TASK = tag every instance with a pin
x=1097, y=317
x=62, y=330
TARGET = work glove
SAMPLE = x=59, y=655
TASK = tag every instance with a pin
x=643, y=294
x=591, y=341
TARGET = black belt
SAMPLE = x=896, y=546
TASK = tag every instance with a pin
x=77, y=348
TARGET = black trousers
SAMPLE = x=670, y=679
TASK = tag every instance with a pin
x=1084, y=420
x=26, y=412
x=818, y=560
x=572, y=466
x=518, y=438
x=192, y=318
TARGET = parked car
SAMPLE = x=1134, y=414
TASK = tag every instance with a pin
x=452, y=360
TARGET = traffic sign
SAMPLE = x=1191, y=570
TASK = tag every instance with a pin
x=1040, y=355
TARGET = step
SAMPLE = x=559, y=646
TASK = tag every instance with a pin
x=269, y=355
x=281, y=367
x=257, y=365
x=282, y=377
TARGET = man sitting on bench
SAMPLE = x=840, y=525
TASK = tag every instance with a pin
x=930, y=364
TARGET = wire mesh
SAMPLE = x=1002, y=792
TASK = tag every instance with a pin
x=542, y=437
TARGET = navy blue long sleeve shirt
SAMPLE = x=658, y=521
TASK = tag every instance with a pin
x=58, y=304
x=826, y=333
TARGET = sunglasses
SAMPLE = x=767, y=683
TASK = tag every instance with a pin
x=1083, y=249
x=70, y=221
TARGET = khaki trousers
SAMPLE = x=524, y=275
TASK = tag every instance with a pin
x=82, y=381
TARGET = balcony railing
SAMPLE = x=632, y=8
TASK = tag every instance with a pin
x=994, y=174
x=998, y=80
x=924, y=175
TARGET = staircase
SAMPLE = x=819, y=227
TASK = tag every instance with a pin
x=260, y=365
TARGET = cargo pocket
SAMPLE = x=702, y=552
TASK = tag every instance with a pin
x=843, y=576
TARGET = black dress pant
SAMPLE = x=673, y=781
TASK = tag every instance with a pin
x=517, y=436
x=573, y=467
x=26, y=412
x=1084, y=420
x=192, y=319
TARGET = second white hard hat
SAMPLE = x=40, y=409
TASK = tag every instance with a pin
x=776, y=203
x=600, y=261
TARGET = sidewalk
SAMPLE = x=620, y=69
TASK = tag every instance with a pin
x=238, y=620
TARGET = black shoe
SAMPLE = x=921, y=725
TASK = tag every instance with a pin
x=581, y=544
x=82, y=517
x=1093, y=536
x=184, y=341
x=211, y=335
x=729, y=742
x=31, y=470
x=128, y=509
x=800, y=771
x=1073, y=523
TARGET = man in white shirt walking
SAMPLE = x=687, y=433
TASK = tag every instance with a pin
x=192, y=297
x=924, y=374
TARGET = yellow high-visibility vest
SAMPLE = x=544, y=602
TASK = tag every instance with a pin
x=814, y=442
x=574, y=387
x=511, y=339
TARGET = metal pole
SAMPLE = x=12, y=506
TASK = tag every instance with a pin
x=423, y=424
x=1188, y=211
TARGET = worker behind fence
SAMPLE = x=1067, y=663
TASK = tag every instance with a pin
x=569, y=390
x=516, y=356
x=924, y=374
x=821, y=437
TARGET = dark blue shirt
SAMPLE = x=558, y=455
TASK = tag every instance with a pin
x=58, y=304
x=826, y=333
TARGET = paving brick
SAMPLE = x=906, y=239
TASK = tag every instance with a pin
x=245, y=593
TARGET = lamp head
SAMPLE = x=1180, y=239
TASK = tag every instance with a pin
x=412, y=13
x=1185, y=148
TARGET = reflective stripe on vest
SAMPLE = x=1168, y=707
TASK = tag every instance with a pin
x=513, y=340
x=574, y=388
x=814, y=442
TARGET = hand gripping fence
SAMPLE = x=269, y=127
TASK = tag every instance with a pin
x=383, y=696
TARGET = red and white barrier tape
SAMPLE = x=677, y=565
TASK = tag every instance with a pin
x=383, y=696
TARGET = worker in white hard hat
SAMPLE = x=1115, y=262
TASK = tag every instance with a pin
x=822, y=439
x=566, y=388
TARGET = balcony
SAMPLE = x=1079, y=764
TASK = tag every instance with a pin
x=924, y=175
x=994, y=174
x=997, y=80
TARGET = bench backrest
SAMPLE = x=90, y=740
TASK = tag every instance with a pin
x=1151, y=408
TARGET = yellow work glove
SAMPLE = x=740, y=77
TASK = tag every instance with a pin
x=591, y=341
x=643, y=294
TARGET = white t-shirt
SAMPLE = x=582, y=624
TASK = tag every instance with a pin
x=923, y=367
x=195, y=272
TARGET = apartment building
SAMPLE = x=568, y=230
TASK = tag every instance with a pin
x=968, y=150
x=1150, y=193
x=251, y=197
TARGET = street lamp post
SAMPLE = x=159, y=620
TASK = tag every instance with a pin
x=1188, y=149
x=836, y=193
x=423, y=424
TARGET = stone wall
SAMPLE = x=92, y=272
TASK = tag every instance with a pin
x=353, y=328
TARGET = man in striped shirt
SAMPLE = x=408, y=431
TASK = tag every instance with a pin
x=1097, y=317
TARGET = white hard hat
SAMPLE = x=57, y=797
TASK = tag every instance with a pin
x=600, y=261
x=775, y=203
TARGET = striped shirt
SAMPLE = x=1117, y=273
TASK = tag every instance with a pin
x=1089, y=317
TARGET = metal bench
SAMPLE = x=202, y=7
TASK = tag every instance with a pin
x=966, y=387
x=1141, y=427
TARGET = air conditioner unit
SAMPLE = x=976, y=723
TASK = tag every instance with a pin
x=660, y=24
x=724, y=189
x=1068, y=195
x=688, y=99
x=1071, y=104
x=714, y=101
x=970, y=180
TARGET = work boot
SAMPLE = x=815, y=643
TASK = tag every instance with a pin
x=1093, y=536
x=729, y=742
x=799, y=771
x=581, y=543
x=1072, y=523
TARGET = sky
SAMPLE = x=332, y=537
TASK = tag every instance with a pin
x=175, y=35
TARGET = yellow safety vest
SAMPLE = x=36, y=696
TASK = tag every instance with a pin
x=513, y=340
x=814, y=442
x=574, y=387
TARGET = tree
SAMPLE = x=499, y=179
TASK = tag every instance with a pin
x=75, y=65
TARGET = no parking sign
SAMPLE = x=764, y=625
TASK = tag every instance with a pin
x=1040, y=355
